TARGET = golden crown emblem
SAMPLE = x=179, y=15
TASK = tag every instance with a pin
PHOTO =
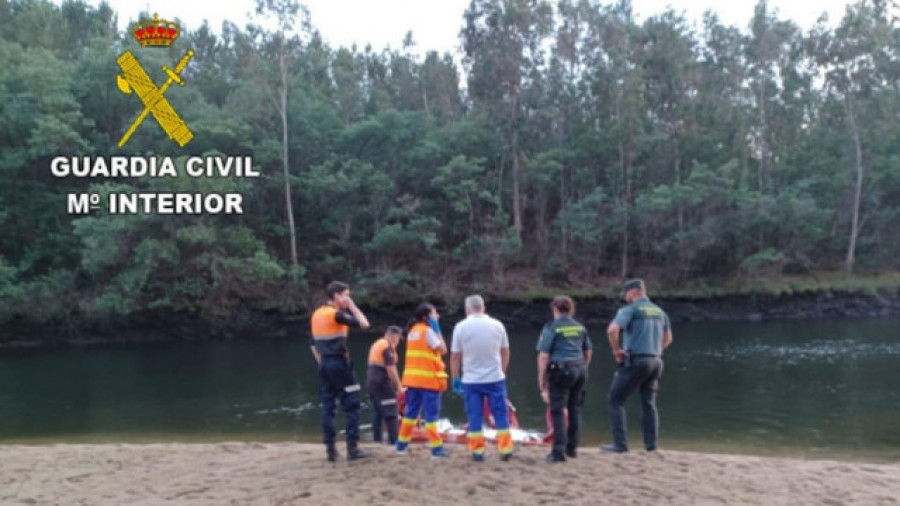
x=155, y=32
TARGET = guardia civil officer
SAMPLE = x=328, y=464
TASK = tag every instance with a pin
x=564, y=353
x=330, y=325
x=647, y=333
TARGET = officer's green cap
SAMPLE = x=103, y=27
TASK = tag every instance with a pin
x=632, y=284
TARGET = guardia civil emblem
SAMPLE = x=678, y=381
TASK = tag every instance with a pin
x=134, y=80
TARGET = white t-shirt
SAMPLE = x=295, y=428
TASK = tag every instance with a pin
x=479, y=338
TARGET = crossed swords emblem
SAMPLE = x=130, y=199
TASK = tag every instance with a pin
x=134, y=79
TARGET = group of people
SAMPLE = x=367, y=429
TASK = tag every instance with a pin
x=479, y=357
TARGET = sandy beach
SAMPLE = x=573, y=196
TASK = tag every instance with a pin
x=293, y=473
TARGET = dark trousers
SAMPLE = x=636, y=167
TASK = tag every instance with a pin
x=567, y=390
x=338, y=384
x=636, y=373
x=384, y=412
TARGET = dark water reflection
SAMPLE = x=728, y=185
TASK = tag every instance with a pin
x=819, y=388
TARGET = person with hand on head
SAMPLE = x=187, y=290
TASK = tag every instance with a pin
x=481, y=346
x=330, y=325
x=564, y=354
x=425, y=378
x=383, y=384
x=647, y=333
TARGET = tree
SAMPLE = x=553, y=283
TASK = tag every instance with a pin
x=850, y=58
x=285, y=11
x=503, y=42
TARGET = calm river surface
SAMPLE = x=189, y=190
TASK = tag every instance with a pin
x=824, y=388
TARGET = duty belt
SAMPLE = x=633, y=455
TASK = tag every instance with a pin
x=568, y=364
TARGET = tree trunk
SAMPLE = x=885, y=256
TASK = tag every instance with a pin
x=763, y=157
x=284, y=156
x=471, y=207
x=563, y=201
x=857, y=197
x=678, y=184
x=626, y=175
x=516, y=176
x=763, y=137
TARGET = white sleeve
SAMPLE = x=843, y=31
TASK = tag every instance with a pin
x=455, y=345
x=505, y=338
x=432, y=339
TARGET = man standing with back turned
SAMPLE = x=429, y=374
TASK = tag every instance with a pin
x=481, y=346
x=647, y=333
x=330, y=325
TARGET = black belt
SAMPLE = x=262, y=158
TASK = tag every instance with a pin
x=568, y=364
x=641, y=355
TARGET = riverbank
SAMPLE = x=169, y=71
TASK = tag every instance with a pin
x=292, y=473
x=798, y=299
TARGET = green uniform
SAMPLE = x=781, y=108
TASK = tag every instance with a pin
x=644, y=324
x=565, y=340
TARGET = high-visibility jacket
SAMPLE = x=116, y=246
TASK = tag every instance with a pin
x=424, y=367
x=376, y=352
x=329, y=336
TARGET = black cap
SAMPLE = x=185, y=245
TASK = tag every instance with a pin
x=632, y=284
x=393, y=329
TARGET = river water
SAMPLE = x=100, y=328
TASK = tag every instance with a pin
x=824, y=388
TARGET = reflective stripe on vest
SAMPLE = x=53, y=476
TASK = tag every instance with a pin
x=376, y=352
x=323, y=325
x=424, y=367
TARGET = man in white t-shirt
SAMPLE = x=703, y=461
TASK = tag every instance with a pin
x=481, y=346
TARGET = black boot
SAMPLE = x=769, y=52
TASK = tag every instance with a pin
x=555, y=457
x=354, y=453
x=331, y=453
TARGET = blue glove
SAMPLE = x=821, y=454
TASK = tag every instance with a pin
x=457, y=386
x=434, y=325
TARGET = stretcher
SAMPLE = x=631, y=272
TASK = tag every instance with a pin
x=451, y=434
x=458, y=435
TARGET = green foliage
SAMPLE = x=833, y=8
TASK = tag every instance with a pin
x=9, y=288
x=584, y=146
x=766, y=261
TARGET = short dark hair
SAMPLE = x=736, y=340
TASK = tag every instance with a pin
x=423, y=311
x=336, y=287
x=633, y=284
x=563, y=304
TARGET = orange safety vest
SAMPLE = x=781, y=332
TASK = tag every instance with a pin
x=376, y=352
x=424, y=367
x=323, y=325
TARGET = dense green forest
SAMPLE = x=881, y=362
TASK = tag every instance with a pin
x=567, y=145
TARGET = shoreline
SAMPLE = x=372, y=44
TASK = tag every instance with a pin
x=705, y=447
x=165, y=326
x=297, y=473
